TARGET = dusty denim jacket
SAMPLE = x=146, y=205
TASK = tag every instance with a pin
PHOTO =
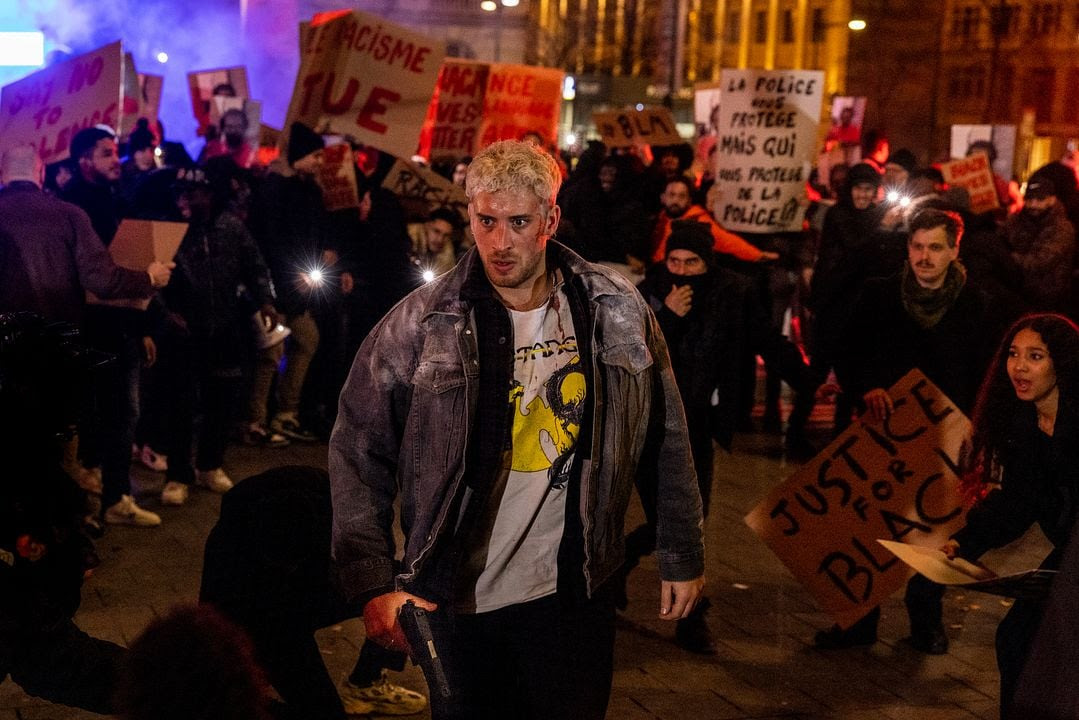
x=408, y=407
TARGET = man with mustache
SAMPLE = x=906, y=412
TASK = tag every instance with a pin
x=509, y=404
x=927, y=316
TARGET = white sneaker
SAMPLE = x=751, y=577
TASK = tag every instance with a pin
x=174, y=493
x=153, y=461
x=215, y=480
x=126, y=512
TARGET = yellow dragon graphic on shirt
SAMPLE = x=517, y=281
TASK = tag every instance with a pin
x=547, y=418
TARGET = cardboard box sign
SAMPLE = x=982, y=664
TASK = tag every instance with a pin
x=422, y=190
x=475, y=104
x=137, y=244
x=626, y=128
x=47, y=108
x=366, y=79
x=975, y=174
x=201, y=85
x=337, y=178
x=764, y=148
x=896, y=480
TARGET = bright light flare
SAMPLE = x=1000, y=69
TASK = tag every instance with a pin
x=316, y=276
x=892, y=196
x=162, y=57
x=428, y=275
x=489, y=5
x=571, y=139
x=510, y=3
x=856, y=24
x=904, y=201
x=22, y=49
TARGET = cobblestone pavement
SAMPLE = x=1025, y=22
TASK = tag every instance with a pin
x=763, y=620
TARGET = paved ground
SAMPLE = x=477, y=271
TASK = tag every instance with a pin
x=763, y=620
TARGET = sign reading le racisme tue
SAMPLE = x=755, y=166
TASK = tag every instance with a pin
x=47, y=108
x=895, y=480
x=366, y=79
x=767, y=131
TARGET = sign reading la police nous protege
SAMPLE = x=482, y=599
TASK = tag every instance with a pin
x=767, y=132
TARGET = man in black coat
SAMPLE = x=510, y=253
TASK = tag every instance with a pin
x=712, y=317
x=927, y=316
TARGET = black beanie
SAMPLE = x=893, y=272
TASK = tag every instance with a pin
x=302, y=141
x=693, y=236
x=863, y=174
x=903, y=158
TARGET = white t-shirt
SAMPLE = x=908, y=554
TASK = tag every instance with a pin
x=519, y=558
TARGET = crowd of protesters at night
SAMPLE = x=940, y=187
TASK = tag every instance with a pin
x=248, y=335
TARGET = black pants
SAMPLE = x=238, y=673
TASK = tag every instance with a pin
x=202, y=383
x=547, y=658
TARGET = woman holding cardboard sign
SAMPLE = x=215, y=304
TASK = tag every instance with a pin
x=1026, y=438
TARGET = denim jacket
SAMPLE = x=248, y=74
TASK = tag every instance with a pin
x=408, y=409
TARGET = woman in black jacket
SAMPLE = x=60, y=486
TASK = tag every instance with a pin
x=1026, y=438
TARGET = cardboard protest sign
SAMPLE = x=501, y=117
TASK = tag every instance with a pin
x=451, y=128
x=521, y=99
x=974, y=174
x=1003, y=138
x=626, y=128
x=150, y=96
x=706, y=97
x=202, y=84
x=337, y=177
x=476, y=104
x=422, y=190
x=939, y=568
x=129, y=99
x=47, y=108
x=896, y=480
x=366, y=79
x=137, y=244
x=252, y=110
x=767, y=134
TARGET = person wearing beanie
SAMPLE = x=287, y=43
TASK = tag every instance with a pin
x=1041, y=241
x=839, y=272
x=712, y=318
x=141, y=160
x=291, y=226
x=897, y=169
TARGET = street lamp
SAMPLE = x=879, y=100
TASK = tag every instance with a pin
x=496, y=7
x=819, y=28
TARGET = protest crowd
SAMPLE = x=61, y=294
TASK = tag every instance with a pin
x=247, y=330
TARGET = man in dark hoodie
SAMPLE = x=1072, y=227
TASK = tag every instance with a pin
x=604, y=221
x=838, y=276
x=712, y=317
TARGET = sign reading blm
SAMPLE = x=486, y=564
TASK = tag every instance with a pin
x=767, y=131
x=893, y=480
x=47, y=108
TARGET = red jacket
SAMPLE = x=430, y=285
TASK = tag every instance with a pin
x=724, y=242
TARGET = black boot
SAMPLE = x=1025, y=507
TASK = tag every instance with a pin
x=861, y=634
